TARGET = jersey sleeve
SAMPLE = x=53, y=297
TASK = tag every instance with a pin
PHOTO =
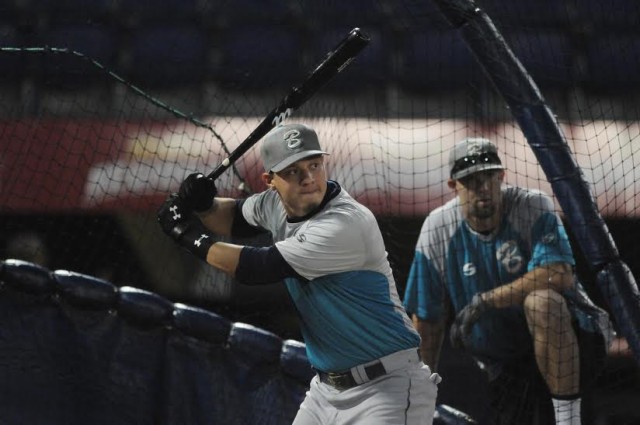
x=261, y=209
x=550, y=243
x=423, y=288
x=240, y=226
x=330, y=244
x=424, y=292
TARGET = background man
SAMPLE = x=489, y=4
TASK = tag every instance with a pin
x=499, y=257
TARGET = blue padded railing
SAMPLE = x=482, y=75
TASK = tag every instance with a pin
x=75, y=349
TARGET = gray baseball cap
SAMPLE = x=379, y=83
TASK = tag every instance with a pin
x=286, y=144
x=471, y=155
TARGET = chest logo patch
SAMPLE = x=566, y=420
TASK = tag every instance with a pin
x=301, y=237
x=510, y=257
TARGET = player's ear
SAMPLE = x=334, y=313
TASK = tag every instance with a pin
x=267, y=179
x=451, y=183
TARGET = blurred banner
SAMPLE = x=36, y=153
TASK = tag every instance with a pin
x=394, y=167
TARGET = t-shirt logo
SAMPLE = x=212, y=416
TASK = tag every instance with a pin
x=469, y=269
x=292, y=139
x=509, y=255
x=549, y=238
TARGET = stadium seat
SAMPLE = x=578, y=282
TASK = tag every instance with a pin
x=9, y=9
x=257, y=57
x=613, y=15
x=613, y=62
x=510, y=15
x=355, y=13
x=167, y=56
x=548, y=56
x=58, y=12
x=145, y=12
x=370, y=69
x=435, y=60
x=256, y=12
x=69, y=70
x=407, y=15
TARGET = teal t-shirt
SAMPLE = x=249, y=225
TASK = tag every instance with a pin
x=453, y=262
x=349, y=308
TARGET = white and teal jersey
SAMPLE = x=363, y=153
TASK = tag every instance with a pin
x=453, y=262
x=349, y=306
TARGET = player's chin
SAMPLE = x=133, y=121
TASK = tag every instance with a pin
x=311, y=197
x=311, y=205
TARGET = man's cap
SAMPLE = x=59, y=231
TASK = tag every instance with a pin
x=471, y=155
x=286, y=144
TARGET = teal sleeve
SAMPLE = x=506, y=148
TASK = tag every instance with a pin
x=424, y=293
x=550, y=242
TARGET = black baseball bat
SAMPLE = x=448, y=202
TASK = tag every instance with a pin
x=336, y=60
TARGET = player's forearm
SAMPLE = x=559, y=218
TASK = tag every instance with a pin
x=219, y=218
x=251, y=265
x=557, y=276
x=224, y=256
x=432, y=335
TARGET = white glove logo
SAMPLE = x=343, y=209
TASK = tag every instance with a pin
x=176, y=214
x=198, y=241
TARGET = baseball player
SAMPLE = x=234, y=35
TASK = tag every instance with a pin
x=330, y=254
x=499, y=257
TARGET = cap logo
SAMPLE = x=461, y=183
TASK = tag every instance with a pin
x=474, y=149
x=292, y=139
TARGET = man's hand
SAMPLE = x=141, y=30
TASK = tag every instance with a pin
x=197, y=191
x=461, y=328
x=182, y=226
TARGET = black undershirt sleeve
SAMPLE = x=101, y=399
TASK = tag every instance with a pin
x=263, y=265
x=240, y=227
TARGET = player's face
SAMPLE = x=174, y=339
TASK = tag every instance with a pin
x=480, y=198
x=301, y=186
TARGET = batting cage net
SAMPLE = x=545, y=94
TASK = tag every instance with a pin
x=106, y=106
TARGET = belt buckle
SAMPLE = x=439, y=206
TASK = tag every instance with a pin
x=339, y=381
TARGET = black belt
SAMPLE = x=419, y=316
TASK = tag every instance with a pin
x=345, y=380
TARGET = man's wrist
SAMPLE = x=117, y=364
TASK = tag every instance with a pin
x=197, y=241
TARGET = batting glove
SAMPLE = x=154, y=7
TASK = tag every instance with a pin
x=198, y=192
x=461, y=328
x=178, y=222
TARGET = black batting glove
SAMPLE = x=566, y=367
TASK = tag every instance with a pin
x=461, y=327
x=178, y=222
x=198, y=192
